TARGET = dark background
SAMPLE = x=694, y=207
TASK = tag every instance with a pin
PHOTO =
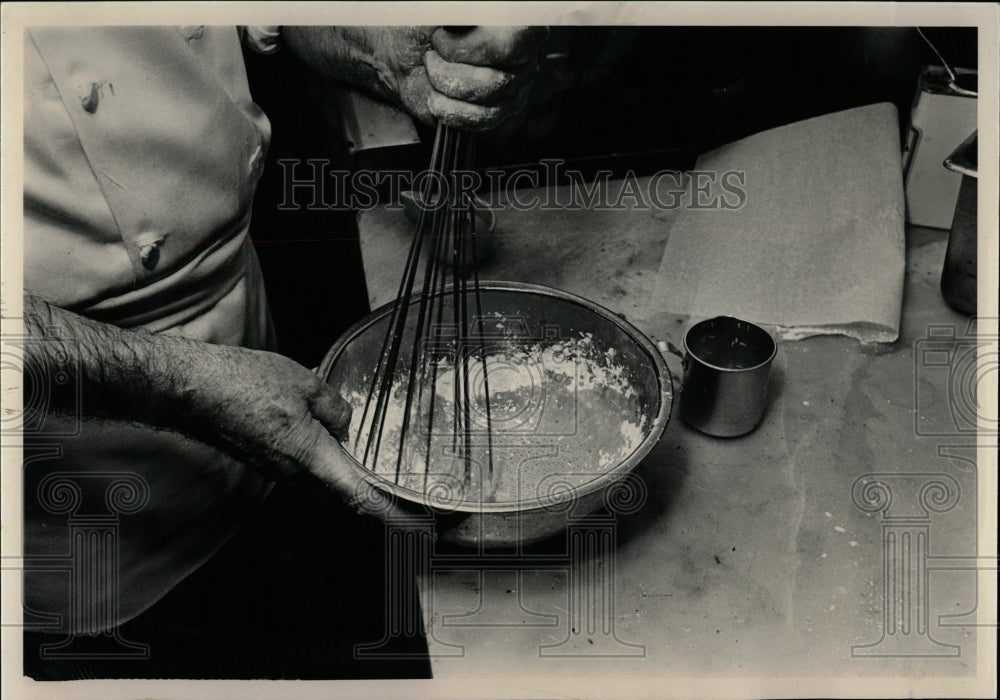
x=640, y=98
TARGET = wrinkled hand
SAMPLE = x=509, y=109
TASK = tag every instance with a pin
x=277, y=416
x=472, y=80
x=263, y=409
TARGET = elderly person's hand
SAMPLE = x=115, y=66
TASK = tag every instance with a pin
x=469, y=77
x=264, y=409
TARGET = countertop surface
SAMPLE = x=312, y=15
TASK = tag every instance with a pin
x=769, y=555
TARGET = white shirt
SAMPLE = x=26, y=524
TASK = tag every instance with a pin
x=142, y=152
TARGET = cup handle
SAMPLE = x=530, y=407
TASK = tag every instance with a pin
x=666, y=349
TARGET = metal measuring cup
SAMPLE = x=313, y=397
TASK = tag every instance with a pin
x=726, y=366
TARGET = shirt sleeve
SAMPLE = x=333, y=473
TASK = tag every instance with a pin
x=261, y=38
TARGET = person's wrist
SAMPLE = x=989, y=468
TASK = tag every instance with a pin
x=386, y=63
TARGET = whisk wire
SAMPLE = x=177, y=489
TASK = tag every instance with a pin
x=385, y=371
x=451, y=144
x=450, y=234
x=481, y=330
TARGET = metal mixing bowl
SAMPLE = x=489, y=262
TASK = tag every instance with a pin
x=544, y=315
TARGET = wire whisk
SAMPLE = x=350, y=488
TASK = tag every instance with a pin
x=431, y=335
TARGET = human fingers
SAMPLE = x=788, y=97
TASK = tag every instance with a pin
x=495, y=47
x=331, y=411
x=471, y=116
x=470, y=83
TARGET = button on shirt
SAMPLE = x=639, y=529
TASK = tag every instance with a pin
x=142, y=151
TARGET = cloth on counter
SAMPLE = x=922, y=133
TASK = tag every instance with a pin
x=813, y=242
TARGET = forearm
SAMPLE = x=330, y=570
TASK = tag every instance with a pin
x=129, y=375
x=262, y=408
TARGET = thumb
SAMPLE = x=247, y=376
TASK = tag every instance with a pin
x=335, y=472
x=332, y=412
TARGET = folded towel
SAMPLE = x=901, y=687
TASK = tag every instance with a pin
x=812, y=241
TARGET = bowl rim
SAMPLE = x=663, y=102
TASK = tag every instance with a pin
x=653, y=435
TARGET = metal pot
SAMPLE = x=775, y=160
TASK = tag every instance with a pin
x=548, y=315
